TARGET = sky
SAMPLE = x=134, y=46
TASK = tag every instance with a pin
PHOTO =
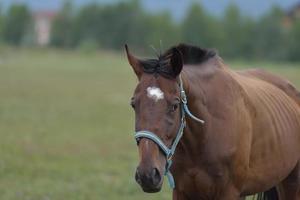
x=177, y=8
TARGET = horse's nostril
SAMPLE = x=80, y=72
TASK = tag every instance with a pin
x=137, y=176
x=150, y=179
x=156, y=177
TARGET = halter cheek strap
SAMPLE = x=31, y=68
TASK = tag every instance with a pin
x=169, y=152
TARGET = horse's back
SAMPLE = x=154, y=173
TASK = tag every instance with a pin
x=276, y=95
x=281, y=83
x=274, y=106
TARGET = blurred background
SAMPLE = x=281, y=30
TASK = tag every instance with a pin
x=66, y=127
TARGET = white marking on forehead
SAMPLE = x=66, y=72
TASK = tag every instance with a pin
x=155, y=93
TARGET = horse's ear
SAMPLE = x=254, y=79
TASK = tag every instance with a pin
x=134, y=62
x=176, y=61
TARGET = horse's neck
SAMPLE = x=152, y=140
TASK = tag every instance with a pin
x=193, y=132
x=200, y=86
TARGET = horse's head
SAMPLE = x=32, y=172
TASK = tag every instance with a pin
x=156, y=102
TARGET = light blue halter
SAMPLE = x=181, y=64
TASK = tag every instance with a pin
x=169, y=152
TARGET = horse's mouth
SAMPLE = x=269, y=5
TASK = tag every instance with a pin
x=151, y=190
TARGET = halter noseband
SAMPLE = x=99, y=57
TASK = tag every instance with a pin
x=169, y=152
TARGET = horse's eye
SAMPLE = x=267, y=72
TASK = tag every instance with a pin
x=174, y=107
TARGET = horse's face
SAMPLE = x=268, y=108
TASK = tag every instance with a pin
x=156, y=102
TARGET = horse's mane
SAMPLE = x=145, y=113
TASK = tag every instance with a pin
x=191, y=55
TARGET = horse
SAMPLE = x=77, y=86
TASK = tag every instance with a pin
x=216, y=133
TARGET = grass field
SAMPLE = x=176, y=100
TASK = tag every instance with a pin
x=66, y=127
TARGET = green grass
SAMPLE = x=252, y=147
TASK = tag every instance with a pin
x=66, y=125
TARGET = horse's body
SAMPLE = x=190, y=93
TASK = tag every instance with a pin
x=250, y=141
x=252, y=136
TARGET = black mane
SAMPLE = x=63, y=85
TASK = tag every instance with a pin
x=191, y=55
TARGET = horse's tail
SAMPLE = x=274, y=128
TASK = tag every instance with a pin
x=271, y=194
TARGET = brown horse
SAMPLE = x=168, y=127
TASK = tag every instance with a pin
x=249, y=142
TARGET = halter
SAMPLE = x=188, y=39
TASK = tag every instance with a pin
x=169, y=152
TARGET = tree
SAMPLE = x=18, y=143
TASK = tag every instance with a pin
x=1, y=24
x=232, y=28
x=111, y=26
x=87, y=24
x=238, y=33
x=62, y=30
x=270, y=37
x=200, y=28
x=125, y=23
x=161, y=28
x=294, y=45
x=16, y=24
x=246, y=43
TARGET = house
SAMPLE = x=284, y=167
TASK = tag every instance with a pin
x=42, y=26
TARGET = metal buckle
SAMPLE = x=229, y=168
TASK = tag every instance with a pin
x=183, y=97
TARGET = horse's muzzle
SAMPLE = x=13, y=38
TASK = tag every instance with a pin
x=150, y=180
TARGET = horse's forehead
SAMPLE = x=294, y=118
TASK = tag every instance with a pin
x=156, y=88
x=155, y=93
x=151, y=88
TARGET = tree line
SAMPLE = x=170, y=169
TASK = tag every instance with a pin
x=94, y=26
